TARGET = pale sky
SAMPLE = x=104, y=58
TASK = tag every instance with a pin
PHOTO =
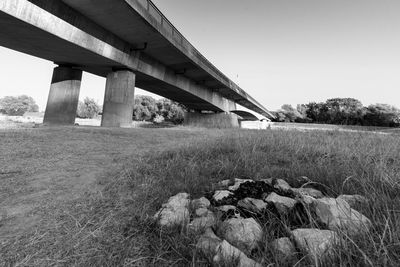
x=279, y=51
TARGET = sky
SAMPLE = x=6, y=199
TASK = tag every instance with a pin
x=278, y=51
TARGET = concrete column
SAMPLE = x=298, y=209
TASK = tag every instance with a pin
x=119, y=99
x=63, y=96
x=211, y=120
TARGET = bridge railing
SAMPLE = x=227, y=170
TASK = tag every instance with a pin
x=178, y=37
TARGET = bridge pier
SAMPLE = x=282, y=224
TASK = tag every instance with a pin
x=212, y=120
x=63, y=97
x=119, y=99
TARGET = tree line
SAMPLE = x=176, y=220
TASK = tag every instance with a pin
x=146, y=108
x=340, y=111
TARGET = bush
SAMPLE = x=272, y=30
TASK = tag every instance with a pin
x=147, y=108
x=17, y=106
x=88, y=109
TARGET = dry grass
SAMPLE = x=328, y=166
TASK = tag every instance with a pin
x=113, y=226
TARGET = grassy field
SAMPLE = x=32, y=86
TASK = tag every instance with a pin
x=85, y=196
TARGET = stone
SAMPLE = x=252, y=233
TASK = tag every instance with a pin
x=228, y=211
x=337, y=214
x=268, y=181
x=306, y=199
x=315, y=242
x=238, y=182
x=202, y=223
x=282, y=204
x=354, y=201
x=221, y=194
x=228, y=255
x=200, y=203
x=281, y=185
x=175, y=211
x=227, y=208
x=201, y=212
x=300, y=181
x=284, y=248
x=307, y=192
x=242, y=233
x=252, y=205
x=225, y=183
x=208, y=244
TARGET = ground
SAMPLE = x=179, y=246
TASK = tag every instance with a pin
x=52, y=165
x=85, y=196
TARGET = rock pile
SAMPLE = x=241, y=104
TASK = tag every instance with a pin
x=231, y=220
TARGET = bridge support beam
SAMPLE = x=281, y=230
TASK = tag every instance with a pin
x=63, y=96
x=211, y=120
x=119, y=99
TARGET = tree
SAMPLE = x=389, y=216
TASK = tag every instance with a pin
x=88, y=109
x=347, y=111
x=291, y=113
x=317, y=112
x=147, y=108
x=17, y=106
x=382, y=115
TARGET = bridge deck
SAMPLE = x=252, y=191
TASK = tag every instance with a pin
x=137, y=27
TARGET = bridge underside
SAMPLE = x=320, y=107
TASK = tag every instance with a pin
x=23, y=37
x=125, y=38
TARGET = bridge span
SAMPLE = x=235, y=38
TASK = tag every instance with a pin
x=131, y=43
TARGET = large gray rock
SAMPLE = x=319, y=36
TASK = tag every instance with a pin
x=221, y=195
x=175, y=211
x=228, y=255
x=242, y=233
x=202, y=223
x=282, y=204
x=200, y=203
x=317, y=243
x=208, y=244
x=355, y=201
x=337, y=214
x=201, y=212
x=284, y=248
x=224, y=183
x=281, y=185
x=238, y=182
x=227, y=208
x=268, y=181
x=300, y=181
x=307, y=192
x=220, y=252
x=252, y=205
x=229, y=211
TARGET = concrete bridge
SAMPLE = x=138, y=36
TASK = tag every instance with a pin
x=131, y=43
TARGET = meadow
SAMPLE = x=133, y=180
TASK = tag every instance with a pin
x=85, y=196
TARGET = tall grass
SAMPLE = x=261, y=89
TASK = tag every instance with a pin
x=115, y=226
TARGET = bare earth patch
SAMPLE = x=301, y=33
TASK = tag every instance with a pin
x=43, y=168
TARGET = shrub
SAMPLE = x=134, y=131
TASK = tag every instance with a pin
x=88, y=109
x=147, y=108
x=17, y=106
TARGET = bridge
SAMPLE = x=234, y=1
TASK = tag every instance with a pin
x=132, y=44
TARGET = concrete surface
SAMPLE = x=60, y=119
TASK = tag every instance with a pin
x=63, y=97
x=119, y=99
x=211, y=120
x=99, y=36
